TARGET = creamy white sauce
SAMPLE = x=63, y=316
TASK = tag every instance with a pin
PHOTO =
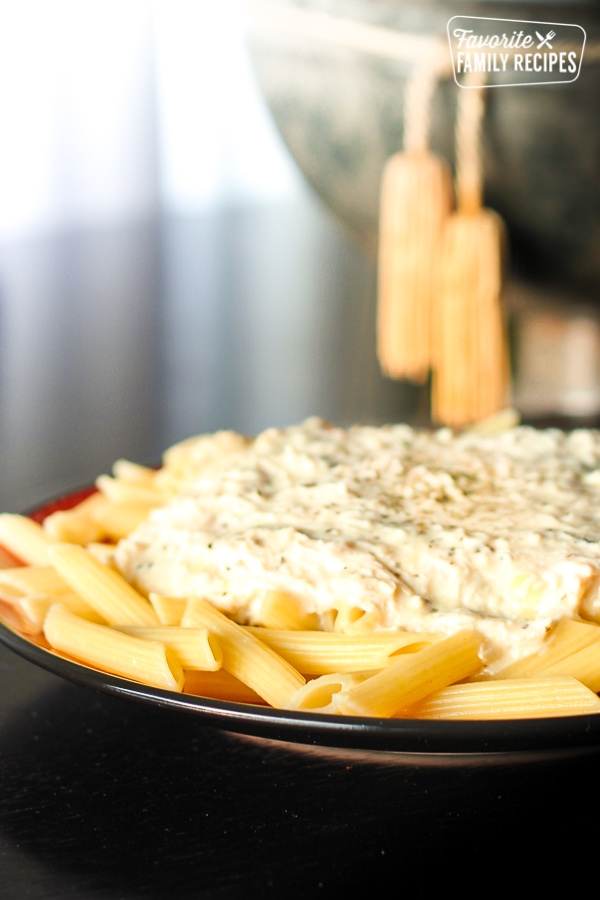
x=424, y=530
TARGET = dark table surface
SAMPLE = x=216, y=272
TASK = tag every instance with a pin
x=115, y=343
x=102, y=797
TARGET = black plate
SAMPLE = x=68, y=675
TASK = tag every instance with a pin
x=389, y=735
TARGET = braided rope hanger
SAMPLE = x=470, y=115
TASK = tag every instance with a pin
x=300, y=23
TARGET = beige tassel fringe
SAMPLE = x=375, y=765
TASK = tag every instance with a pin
x=471, y=364
x=415, y=202
x=440, y=273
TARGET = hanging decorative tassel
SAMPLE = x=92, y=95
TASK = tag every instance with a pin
x=415, y=202
x=471, y=364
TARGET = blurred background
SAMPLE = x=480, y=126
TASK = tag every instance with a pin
x=174, y=254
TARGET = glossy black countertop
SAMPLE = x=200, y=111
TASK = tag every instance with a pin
x=115, y=343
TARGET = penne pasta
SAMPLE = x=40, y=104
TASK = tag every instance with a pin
x=77, y=525
x=128, y=493
x=566, y=638
x=14, y=617
x=9, y=594
x=412, y=676
x=149, y=662
x=354, y=620
x=30, y=591
x=34, y=610
x=103, y=588
x=24, y=538
x=245, y=656
x=195, y=648
x=323, y=652
x=116, y=521
x=321, y=693
x=583, y=665
x=34, y=580
x=7, y=560
x=169, y=610
x=279, y=610
x=516, y=698
x=219, y=685
x=133, y=473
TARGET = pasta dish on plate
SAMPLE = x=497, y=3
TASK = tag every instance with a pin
x=372, y=571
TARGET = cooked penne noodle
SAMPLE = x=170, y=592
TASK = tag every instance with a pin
x=193, y=454
x=12, y=616
x=169, y=610
x=195, y=648
x=516, y=698
x=280, y=610
x=583, y=665
x=35, y=609
x=31, y=590
x=24, y=538
x=9, y=594
x=117, y=522
x=149, y=662
x=77, y=525
x=219, y=685
x=323, y=652
x=103, y=588
x=28, y=592
x=354, y=620
x=97, y=518
x=412, y=676
x=134, y=473
x=128, y=493
x=29, y=609
x=566, y=638
x=7, y=560
x=320, y=693
x=245, y=656
x=34, y=580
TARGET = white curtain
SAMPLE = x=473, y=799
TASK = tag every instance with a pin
x=112, y=108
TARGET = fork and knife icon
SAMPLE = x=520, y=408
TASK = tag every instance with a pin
x=545, y=40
